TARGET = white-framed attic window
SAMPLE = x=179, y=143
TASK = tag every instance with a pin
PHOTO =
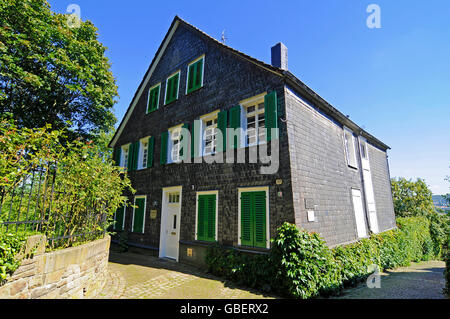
x=350, y=148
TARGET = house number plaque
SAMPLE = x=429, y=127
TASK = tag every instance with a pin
x=153, y=213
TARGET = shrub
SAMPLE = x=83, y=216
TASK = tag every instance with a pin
x=300, y=265
x=10, y=246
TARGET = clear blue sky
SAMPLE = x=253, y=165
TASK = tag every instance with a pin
x=393, y=81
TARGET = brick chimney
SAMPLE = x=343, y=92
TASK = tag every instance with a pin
x=280, y=56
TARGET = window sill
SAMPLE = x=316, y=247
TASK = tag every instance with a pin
x=193, y=90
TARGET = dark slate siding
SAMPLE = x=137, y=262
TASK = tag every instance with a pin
x=320, y=173
x=379, y=170
x=228, y=79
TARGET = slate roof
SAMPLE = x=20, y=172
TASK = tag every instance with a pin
x=289, y=78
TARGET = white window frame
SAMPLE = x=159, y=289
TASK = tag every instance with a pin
x=363, y=144
x=350, y=163
x=255, y=189
x=170, y=144
x=217, y=211
x=178, y=87
x=124, y=148
x=253, y=101
x=148, y=97
x=203, y=119
x=203, y=71
x=143, y=152
x=145, y=209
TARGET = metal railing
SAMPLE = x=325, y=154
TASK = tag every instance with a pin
x=37, y=203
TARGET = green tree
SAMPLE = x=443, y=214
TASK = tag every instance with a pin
x=411, y=198
x=52, y=72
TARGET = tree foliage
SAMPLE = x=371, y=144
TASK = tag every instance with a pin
x=53, y=73
x=411, y=198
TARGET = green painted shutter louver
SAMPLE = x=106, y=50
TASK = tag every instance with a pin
x=172, y=88
x=117, y=155
x=206, y=217
x=118, y=223
x=222, y=123
x=260, y=219
x=246, y=219
x=130, y=157
x=153, y=99
x=195, y=133
x=195, y=74
x=163, y=150
x=235, y=123
x=271, y=113
x=138, y=221
x=135, y=155
x=253, y=219
x=150, y=151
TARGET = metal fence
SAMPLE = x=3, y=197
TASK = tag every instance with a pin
x=39, y=203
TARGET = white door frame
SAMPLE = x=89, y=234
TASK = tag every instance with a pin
x=163, y=235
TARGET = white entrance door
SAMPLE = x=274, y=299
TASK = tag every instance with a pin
x=359, y=213
x=170, y=223
x=368, y=186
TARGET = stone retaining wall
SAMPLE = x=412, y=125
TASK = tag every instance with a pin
x=72, y=273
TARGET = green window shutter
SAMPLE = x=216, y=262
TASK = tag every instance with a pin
x=118, y=222
x=259, y=208
x=150, y=151
x=138, y=221
x=153, y=99
x=211, y=218
x=130, y=157
x=117, y=155
x=195, y=73
x=163, y=154
x=172, y=88
x=235, y=123
x=136, y=155
x=195, y=133
x=191, y=72
x=246, y=219
x=222, y=122
x=271, y=113
x=184, y=145
x=206, y=218
x=201, y=218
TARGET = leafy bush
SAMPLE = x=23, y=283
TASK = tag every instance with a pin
x=10, y=246
x=300, y=265
x=83, y=196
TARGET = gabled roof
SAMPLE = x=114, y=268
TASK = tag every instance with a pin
x=288, y=77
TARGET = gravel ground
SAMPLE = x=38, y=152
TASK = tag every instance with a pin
x=424, y=280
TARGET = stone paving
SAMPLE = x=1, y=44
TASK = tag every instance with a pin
x=137, y=276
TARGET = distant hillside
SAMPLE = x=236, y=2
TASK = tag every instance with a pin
x=440, y=202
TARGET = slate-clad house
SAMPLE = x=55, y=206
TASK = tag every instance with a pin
x=332, y=176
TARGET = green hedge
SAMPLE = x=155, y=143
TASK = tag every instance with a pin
x=10, y=246
x=300, y=265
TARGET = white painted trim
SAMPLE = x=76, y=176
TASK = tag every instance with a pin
x=144, y=85
x=148, y=97
x=217, y=211
x=122, y=154
x=355, y=152
x=204, y=118
x=162, y=239
x=141, y=152
x=255, y=189
x=145, y=209
x=187, y=72
x=178, y=86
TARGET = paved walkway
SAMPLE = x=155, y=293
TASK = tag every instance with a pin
x=424, y=280
x=136, y=276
